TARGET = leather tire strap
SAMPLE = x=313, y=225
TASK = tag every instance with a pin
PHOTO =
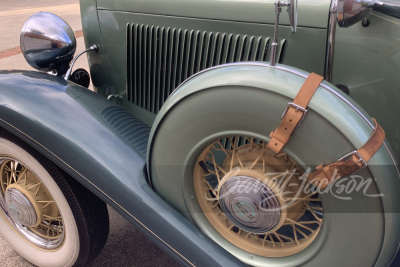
x=294, y=114
x=324, y=175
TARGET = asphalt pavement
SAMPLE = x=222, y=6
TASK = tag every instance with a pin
x=126, y=246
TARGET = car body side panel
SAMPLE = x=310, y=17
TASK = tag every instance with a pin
x=367, y=60
x=92, y=35
x=312, y=13
x=299, y=52
x=83, y=134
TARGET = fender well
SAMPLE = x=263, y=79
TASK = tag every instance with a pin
x=103, y=147
x=341, y=112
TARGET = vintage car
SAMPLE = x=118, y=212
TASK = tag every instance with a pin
x=185, y=137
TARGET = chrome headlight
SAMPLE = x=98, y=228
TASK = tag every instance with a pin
x=350, y=12
x=47, y=42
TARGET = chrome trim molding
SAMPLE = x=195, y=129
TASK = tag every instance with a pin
x=330, y=43
x=93, y=48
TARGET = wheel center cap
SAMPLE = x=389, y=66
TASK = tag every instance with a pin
x=250, y=204
x=20, y=208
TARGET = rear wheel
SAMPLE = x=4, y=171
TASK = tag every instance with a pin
x=47, y=219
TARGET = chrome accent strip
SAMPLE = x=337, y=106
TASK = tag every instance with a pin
x=93, y=48
x=274, y=45
x=304, y=75
x=330, y=43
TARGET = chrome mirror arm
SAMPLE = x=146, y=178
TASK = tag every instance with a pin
x=93, y=48
x=274, y=45
x=292, y=10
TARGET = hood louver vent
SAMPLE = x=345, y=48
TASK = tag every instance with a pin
x=159, y=59
x=128, y=127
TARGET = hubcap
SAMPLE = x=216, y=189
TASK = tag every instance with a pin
x=250, y=204
x=20, y=208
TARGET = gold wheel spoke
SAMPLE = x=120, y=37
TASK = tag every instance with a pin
x=295, y=234
x=44, y=226
x=233, y=151
x=8, y=180
x=7, y=168
x=33, y=186
x=222, y=170
x=240, y=162
x=307, y=222
x=306, y=198
x=278, y=176
x=258, y=158
x=279, y=238
x=51, y=218
x=239, y=232
x=302, y=199
x=302, y=225
x=264, y=170
x=48, y=227
x=21, y=175
x=215, y=204
x=208, y=184
x=211, y=199
x=48, y=202
x=216, y=168
x=37, y=190
x=284, y=155
x=272, y=240
x=221, y=213
x=318, y=208
x=222, y=149
x=302, y=233
x=264, y=240
x=14, y=171
x=285, y=237
x=312, y=211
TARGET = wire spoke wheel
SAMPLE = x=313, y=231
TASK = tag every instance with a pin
x=256, y=199
x=45, y=215
x=29, y=206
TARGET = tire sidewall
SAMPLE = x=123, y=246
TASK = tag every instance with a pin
x=67, y=254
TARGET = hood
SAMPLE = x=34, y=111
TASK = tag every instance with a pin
x=311, y=13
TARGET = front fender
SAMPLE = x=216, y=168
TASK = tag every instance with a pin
x=281, y=84
x=104, y=148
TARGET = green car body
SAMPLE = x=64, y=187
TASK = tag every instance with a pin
x=171, y=77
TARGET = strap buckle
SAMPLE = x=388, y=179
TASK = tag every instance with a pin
x=297, y=107
x=355, y=153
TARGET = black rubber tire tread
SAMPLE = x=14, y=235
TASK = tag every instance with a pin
x=90, y=212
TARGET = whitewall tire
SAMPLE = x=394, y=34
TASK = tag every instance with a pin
x=46, y=218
